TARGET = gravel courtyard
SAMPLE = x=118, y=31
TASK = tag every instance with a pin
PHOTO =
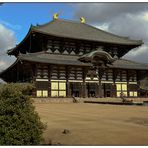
x=94, y=124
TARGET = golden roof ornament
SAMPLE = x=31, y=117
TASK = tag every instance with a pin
x=82, y=19
x=55, y=16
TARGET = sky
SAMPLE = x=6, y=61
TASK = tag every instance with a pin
x=125, y=19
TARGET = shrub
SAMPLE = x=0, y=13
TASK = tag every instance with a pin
x=19, y=123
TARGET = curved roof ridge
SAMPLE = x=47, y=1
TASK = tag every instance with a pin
x=54, y=20
x=59, y=19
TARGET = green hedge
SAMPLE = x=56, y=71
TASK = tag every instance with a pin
x=19, y=123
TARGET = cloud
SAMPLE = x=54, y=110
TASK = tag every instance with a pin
x=139, y=54
x=125, y=19
x=134, y=26
x=104, y=12
x=7, y=38
x=7, y=41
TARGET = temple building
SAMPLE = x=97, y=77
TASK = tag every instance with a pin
x=64, y=58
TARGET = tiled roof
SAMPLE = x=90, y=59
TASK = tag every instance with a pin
x=52, y=59
x=77, y=30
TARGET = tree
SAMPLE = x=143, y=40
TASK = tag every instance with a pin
x=19, y=123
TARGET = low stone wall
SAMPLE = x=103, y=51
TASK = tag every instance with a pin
x=136, y=100
x=53, y=100
x=81, y=100
x=102, y=99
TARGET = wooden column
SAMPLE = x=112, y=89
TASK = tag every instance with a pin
x=49, y=79
x=115, y=74
x=67, y=89
x=100, y=74
x=114, y=84
x=128, y=77
x=84, y=95
x=138, y=82
x=84, y=92
x=100, y=88
x=67, y=82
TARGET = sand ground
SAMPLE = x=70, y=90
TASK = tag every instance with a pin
x=94, y=124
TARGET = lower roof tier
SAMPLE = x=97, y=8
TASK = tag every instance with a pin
x=57, y=59
x=73, y=60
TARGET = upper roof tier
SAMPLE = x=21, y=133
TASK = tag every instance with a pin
x=77, y=31
x=83, y=31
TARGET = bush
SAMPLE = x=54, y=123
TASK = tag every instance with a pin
x=19, y=123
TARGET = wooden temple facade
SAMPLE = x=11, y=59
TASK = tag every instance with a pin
x=65, y=58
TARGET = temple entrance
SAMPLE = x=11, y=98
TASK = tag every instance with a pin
x=91, y=89
x=75, y=88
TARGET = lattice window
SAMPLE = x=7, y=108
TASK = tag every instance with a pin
x=42, y=93
x=121, y=88
x=133, y=94
x=58, y=89
x=42, y=88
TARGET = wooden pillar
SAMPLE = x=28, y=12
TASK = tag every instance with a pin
x=128, y=77
x=84, y=91
x=67, y=82
x=138, y=82
x=100, y=88
x=49, y=79
x=100, y=74
x=115, y=74
x=67, y=89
